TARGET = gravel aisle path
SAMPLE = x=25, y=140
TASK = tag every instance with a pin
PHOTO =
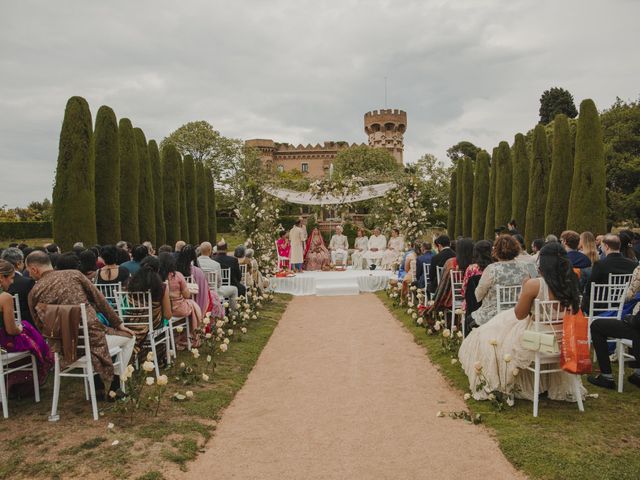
x=341, y=391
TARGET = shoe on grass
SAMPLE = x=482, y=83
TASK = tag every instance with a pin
x=600, y=381
x=635, y=379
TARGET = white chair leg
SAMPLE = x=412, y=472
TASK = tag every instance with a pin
x=188, y=330
x=123, y=384
x=620, y=351
x=536, y=386
x=172, y=340
x=167, y=346
x=86, y=388
x=577, y=392
x=36, y=380
x=155, y=357
x=54, y=417
x=92, y=392
x=3, y=393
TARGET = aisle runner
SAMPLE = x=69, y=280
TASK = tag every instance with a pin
x=346, y=394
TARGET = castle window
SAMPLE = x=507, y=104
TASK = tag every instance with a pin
x=305, y=168
x=280, y=168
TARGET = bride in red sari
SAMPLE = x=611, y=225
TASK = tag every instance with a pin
x=316, y=254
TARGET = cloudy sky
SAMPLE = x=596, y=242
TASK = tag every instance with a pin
x=302, y=71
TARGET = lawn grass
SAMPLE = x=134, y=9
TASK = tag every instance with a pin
x=562, y=443
x=147, y=448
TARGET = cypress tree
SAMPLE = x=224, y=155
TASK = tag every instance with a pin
x=587, y=202
x=520, y=182
x=467, y=197
x=480, y=195
x=503, y=185
x=453, y=190
x=560, y=177
x=156, y=170
x=171, y=192
x=184, y=213
x=107, y=176
x=459, y=200
x=211, y=197
x=129, y=182
x=538, y=184
x=489, y=223
x=203, y=201
x=146, y=197
x=192, y=198
x=74, y=202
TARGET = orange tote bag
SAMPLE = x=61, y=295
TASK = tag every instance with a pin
x=575, y=356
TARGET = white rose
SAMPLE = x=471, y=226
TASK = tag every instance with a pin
x=208, y=335
x=112, y=394
x=459, y=334
x=179, y=329
x=446, y=333
x=420, y=321
x=188, y=394
x=182, y=365
x=163, y=380
x=230, y=332
x=148, y=366
x=467, y=396
x=414, y=316
x=243, y=330
x=219, y=323
x=454, y=361
x=223, y=347
x=226, y=341
x=205, y=377
x=150, y=356
x=150, y=380
x=110, y=426
x=206, y=321
x=491, y=397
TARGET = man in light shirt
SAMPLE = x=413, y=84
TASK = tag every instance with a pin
x=339, y=247
x=207, y=264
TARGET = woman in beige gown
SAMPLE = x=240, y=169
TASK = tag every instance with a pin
x=482, y=353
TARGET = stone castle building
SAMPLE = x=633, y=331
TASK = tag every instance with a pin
x=384, y=128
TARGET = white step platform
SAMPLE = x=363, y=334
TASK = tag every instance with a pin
x=348, y=282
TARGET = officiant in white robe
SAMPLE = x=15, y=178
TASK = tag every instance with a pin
x=360, y=248
x=339, y=247
x=377, y=246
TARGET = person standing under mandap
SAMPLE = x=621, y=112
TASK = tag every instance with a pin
x=377, y=246
x=339, y=247
x=360, y=248
x=297, y=237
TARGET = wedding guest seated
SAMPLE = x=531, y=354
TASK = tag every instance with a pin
x=284, y=247
x=187, y=264
x=587, y=246
x=20, y=337
x=506, y=271
x=551, y=238
x=409, y=267
x=523, y=257
x=512, y=228
x=626, y=245
x=339, y=247
x=241, y=254
x=360, y=246
x=70, y=287
x=393, y=254
x=443, y=246
x=231, y=263
x=122, y=256
x=68, y=261
x=139, y=253
x=536, y=246
x=179, y=246
x=316, y=254
x=570, y=240
x=482, y=353
x=165, y=249
x=377, y=245
x=255, y=279
x=482, y=258
x=88, y=261
x=111, y=272
x=21, y=284
x=425, y=258
x=207, y=264
x=149, y=246
x=460, y=261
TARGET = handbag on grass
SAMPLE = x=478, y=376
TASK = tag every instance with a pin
x=575, y=356
x=542, y=342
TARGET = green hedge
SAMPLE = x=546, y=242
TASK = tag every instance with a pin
x=225, y=224
x=24, y=230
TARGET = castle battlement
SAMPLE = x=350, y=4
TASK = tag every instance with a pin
x=389, y=111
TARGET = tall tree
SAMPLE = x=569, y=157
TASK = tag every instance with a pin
x=538, y=185
x=192, y=198
x=171, y=192
x=560, y=177
x=184, y=212
x=503, y=184
x=520, y=181
x=459, y=200
x=587, y=203
x=74, y=202
x=107, y=176
x=554, y=101
x=203, y=201
x=467, y=197
x=480, y=195
x=211, y=198
x=158, y=192
x=364, y=160
x=489, y=223
x=453, y=191
x=146, y=194
x=462, y=149
x=129, y=182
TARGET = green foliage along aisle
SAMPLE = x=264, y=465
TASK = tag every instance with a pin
x=192, y=201
x=158, y=192
x=480, y=195
x=74, y=207
x=520, y=182
x=453, y=190
x=107, y=176
x=146, y=197
x=538, y=185
x=503, y=185
x=587, y=203
x=211, y=199
x=489, y=224
x=459, y=201
x=467, y=196
x=560, y=177
x=129, y=182
x=202, y=201
x=184, y=215
x=171, y=192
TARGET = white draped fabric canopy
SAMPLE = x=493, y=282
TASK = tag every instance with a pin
x=307, y=198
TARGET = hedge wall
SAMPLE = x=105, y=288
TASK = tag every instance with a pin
x=24, y=230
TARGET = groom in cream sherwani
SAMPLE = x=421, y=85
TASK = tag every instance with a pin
x=339, y=247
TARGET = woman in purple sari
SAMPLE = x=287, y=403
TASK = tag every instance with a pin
x=20, y=337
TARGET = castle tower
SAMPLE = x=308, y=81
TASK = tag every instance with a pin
x=385, y=129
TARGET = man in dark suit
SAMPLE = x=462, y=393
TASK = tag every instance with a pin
x=230, y=262
x=443, y=245
x=425, y=258
x=21, y=285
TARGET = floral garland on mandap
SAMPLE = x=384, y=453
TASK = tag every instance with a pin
x=402, y=208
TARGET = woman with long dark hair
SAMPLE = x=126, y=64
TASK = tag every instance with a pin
x=482, y=258
x=187, y=265
x=492, y=353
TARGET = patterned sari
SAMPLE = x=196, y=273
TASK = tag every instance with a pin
x=316, y=254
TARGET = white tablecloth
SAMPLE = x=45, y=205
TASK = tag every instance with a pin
x=307, y=282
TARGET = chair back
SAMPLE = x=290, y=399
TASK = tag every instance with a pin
x=456, y=288
x=135, y=308
x=607, y=300
x=226, y=277
x=84, y=345
x=425, y=272
x=17, y=314
x=549, y=317
x=109, y=291
x=188, y=278
x=439, y=271
x=620, y=278
x=212, y=279
x=243, y=274
x=507, y=296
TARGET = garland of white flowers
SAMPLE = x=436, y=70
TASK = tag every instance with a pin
x=402, y=208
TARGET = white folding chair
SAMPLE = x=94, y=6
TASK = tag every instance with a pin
x=282, y=261
x=109, y=291
x=548, y=318
x=425, y=272
x=212, y=279
x=607, y=301
x=82, y=363
x=456, y=297
x=507, y=296
x=136, y=310
x=243, y=274
x=620, y=278
x=7, y=365
x=226, y=277
x=439, y=271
